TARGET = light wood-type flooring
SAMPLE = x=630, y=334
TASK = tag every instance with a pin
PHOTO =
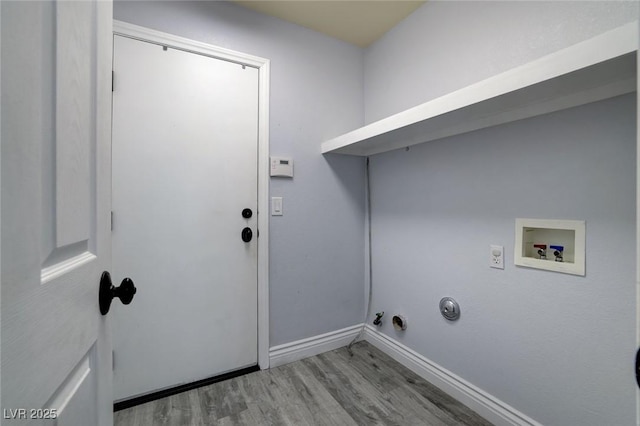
x=333, y=388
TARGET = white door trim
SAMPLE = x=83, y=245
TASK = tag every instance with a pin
x=637, y=236
x=176, y=42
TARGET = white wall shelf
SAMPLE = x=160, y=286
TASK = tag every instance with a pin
x=593, y=70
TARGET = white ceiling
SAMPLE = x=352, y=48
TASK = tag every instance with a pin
x=360, y=22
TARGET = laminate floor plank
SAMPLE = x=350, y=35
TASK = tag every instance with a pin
x=266, y=398
x=306, y=390
x=444, y=403
x=367, y=363
x=330, y=389
x=217, y=402
x=355, y=401
x=364, y=383
x=140, y=415
x=176, y=409
x=438, y=400
x=412, y=412
x=293, y=409
x=362, y=371
x=375, y=363
x=372, y=363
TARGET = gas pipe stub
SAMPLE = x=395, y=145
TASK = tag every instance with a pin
x=449, y=309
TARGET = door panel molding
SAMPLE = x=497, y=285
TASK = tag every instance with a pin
x=263, y=66
x=71, y=402
x=66, y=266
x=74, y=122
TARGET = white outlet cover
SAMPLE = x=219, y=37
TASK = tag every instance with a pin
x=496, y=257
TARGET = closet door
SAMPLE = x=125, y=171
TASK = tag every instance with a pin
x=56, y=183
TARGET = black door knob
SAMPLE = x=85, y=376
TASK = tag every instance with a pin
x=638, y=367
x=247, y=234
x=247, y=213
x=107, y=292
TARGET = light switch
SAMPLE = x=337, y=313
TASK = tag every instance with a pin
x=276, y=206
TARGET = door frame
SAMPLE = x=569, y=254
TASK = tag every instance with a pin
x=262, y=64
x=637, y=389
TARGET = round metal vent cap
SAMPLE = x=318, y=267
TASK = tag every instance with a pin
x=449, y=308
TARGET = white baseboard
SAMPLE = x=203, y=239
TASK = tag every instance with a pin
x=300, y=349
x=478, y=400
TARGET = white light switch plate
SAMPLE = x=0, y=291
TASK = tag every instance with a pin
x=276, y=206
x=496, y=257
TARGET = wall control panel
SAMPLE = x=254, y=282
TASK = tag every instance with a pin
x=281, y=167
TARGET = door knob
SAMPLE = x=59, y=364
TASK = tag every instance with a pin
x=247, y=234
x=638, y=367
x=107, y=292
x=247, y=213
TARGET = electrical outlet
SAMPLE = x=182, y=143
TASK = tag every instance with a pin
x=496, y=257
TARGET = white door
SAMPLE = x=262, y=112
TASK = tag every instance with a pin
x=56, y=84
x=185, y=135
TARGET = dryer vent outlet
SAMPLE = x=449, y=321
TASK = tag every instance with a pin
x=399, y=322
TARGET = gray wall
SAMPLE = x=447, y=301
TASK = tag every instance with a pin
x=557, y=347
x=316, y=267
x=548, y=344
x=446, y=45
